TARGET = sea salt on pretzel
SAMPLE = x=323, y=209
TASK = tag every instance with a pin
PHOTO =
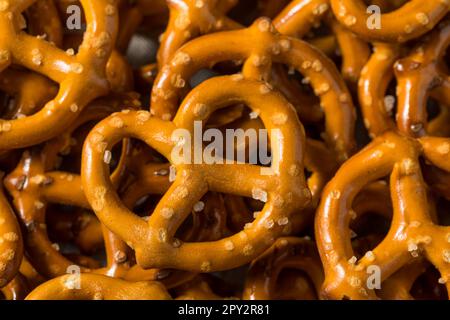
x=284, y=191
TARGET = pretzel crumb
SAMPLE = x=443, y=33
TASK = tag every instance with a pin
x=415, y=224
x=5, y=126
x=259, y=194
x=306, y=64
x=110, y=10
x=38, y=204
x=254, y=114
x=408, y=28
x=322, y=89
x=161, y=172
x=416, y=127
x=98, y=296
x=11, y=236
x=200, y=110
x=247, y=226
x=99, y=198
x=442, y=280
x=199, y=206
x=70, y=52
x=229, y=245
x=74, y=107
x=182, y=22
x=56, y=246
x=2, y=267
x=285, y=44
x=176, y=243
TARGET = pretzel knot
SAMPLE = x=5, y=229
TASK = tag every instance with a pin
x=413, y=232
x=81, y=77
x=410, y=21
x=283, y=188
x=97, y=287
x=268, y=48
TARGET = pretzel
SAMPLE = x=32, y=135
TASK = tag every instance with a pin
x=16, y=289
x=271, y=48
x=410, y=21
x=286, y=253
x=412, y=233
x=98, y=287
x=11, y=245
x=81, y=77
x=158, y=249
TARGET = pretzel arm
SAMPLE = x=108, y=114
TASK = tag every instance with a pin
x=98, y=287
x=410, y=21
x=372, y=86
x=299, y=16
x=100, y=192
x=11, y=244
x=437, y=151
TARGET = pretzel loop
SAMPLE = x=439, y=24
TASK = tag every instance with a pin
x=154, y=243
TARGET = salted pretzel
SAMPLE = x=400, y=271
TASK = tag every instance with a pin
x=413, y=230
x=410, y=21
x=271, y=48
x=97, y=287
x=286, y=253
x=81, y=76
x=154, y=242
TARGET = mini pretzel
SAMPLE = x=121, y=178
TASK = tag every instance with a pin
x=270, y=48
x=412, y=233
x=285, y=253
x=81, y=77
x=410, y=21
x=153, y=242
x=98, y=287
x=11, y=244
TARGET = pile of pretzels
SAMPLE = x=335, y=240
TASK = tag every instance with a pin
x=354, y=96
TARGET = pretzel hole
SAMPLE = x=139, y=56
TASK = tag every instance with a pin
x=427, y=286
x=142, y=49
x=294, y=284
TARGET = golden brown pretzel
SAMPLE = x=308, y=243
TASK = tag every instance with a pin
x=81, y=76
x=286, y=253
x=413, y=231
x=271, y=48
x=285, y=191
x=98, y=287
x=413, y=19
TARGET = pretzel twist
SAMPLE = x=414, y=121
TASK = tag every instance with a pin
x=81, y=77
x=98, y=287
x=271, y=48
x=410, y=21
x=413, y=230
x=154, y=241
